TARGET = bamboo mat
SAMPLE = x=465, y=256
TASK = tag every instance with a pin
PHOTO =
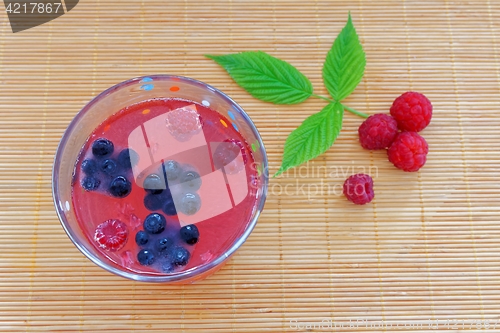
x=423, y=256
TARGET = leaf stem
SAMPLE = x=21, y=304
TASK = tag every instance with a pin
x=361, y=114
x=324, y=98
x=358, y=113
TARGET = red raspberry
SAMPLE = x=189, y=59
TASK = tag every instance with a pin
x=377, y=131
x=412, y=111
x=242, y=148
x=359, y=189
x=408, y=152
x=111, y=235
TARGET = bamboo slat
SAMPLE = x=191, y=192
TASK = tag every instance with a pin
x=423, y=256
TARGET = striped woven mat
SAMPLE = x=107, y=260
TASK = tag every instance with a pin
x=423, y=256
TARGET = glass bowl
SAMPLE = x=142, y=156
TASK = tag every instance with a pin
x=108, y=103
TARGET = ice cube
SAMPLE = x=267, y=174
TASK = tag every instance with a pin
x=135, y=221
x=124, y=210
x=127, y=259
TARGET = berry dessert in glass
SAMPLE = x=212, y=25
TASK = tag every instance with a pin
x=160, y=179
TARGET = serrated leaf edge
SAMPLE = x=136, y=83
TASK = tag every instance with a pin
x=305, y=94
x=329, y=108
x=349, y=24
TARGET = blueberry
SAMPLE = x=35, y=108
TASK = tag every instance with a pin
x=172, y=169
x=167, y=267
x=102, y=147
x=90, y=183
x=146, y=257
x=155, y=223
x=162, y=245
x=120, y=187
x=190, y=203
x=180, y=256
x=190, y=234
x=141, y=238
x=169, y=206
x=89, y=166
x=154, y=184
x=108, y=166
x=191, y=180
x=127, y=158
x=155, y=201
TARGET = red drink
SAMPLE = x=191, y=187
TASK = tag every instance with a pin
x=172, y=170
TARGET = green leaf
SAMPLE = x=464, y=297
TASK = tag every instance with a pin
x=266, y=77
x=345, y=63
x=313, y=137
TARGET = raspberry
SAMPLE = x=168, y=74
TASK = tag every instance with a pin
x=408, y=152
x=412, y=111
x=183, y=123
x=240, y=145
x=378, y=131
x=359, y=189
x=111, y=235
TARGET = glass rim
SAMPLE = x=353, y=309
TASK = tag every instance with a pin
x=175, y=277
